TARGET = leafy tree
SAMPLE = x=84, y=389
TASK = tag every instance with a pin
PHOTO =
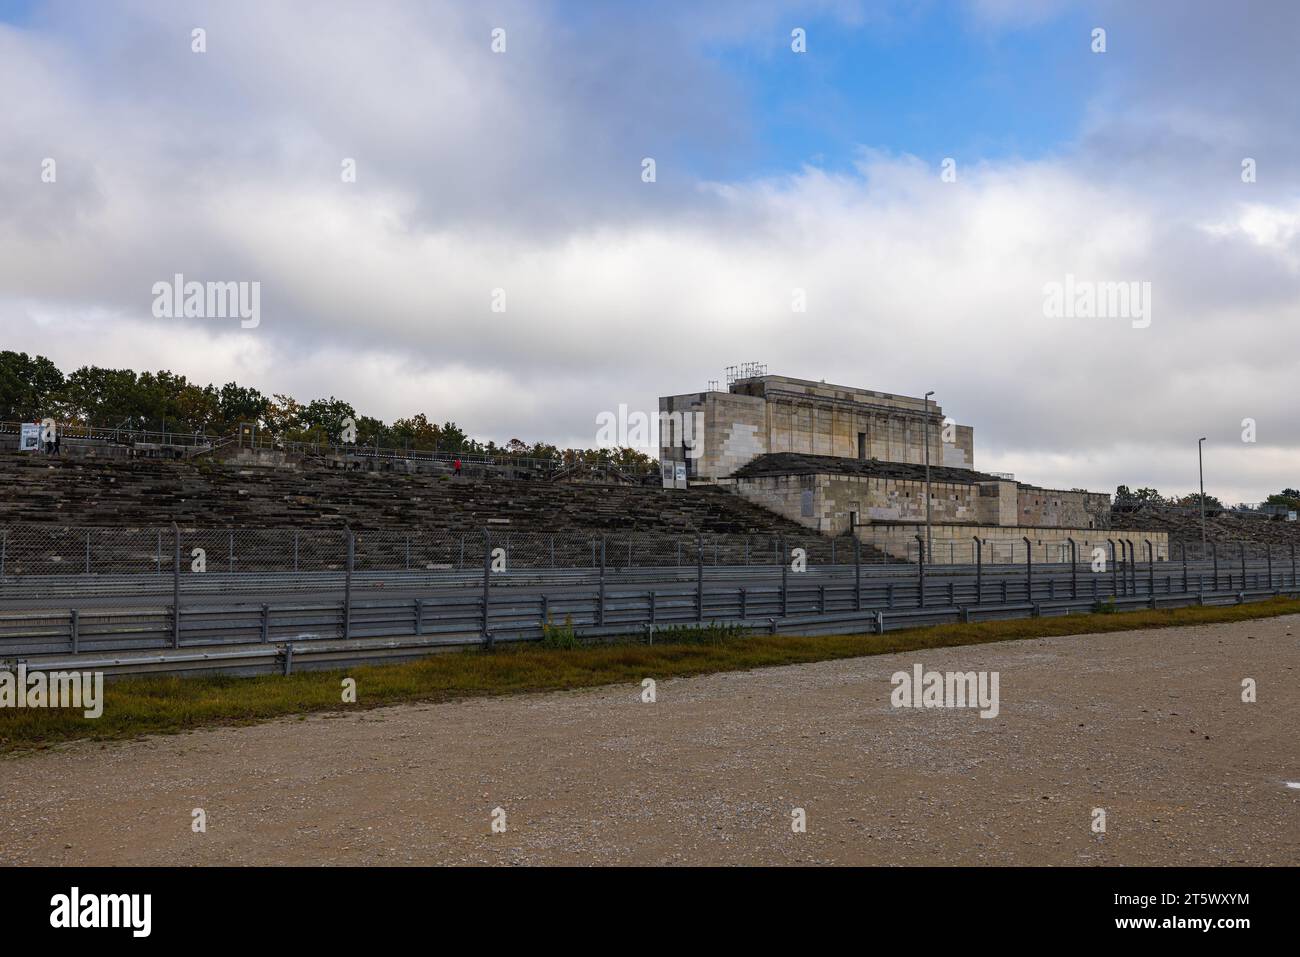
x=29, y=386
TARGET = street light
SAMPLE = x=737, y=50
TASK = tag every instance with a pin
x=927, y=474
x=1200, y=467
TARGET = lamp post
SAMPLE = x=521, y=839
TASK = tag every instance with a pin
x=927, y=474
x=1200, y=467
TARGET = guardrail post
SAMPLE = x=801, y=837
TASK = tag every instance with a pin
x=1074, y=569
x=266, y=623
x=176, y=587
x=348, y=565
x=1242, y=549
x=1029, y=570
x=487, y=584
x=880, y=622
x=600, y=615
x=1269, y=552
x=419, y=617
x=857, y=575
x=74, y=630
x=920, y=571
x=979, y=570
x=1214, y=553
x=653, y=604
x=1183, y=547
x=744, y=610
x=699, y=579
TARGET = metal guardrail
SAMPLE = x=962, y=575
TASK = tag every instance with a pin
x=243, y=631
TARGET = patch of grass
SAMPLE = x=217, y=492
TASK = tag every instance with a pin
x=146, y=705
x=560, y=636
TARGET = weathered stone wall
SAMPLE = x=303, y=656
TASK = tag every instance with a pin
x=1004, y=544
x=1053, y=507
x=838, y=500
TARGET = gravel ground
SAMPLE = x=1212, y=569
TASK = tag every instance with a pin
x=1147, y=725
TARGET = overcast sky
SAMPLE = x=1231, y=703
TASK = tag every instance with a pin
x=775, y=171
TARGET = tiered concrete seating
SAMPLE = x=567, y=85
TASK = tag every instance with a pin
x=147, y=493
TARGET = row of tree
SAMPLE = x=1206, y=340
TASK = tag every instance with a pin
x=1127, y=498
x=33, y=387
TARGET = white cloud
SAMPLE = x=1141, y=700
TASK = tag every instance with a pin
x=523, y=174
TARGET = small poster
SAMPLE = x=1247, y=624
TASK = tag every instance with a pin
x=29, y=437
x=681, y=473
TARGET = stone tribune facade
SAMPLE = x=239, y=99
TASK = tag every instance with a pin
x=847, y=461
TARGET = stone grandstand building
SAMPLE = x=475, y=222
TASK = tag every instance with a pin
x=850, y=461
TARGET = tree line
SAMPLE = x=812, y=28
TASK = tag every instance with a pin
x=1128, y=498
x=33, y=387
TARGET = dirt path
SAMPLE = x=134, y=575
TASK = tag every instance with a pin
x=1149, y=726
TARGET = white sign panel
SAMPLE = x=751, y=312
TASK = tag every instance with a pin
x=29, y=437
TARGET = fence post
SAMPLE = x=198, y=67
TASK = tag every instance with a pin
x=4, y=547
x=1241, y=546
x=176, y=587
x=699, y=579
x=785, y=582
x=1074, y=569
x=1214, y=553
x=1292, y=566
x=1029, y=569
x=1183, y=547
x=487, y=585
x=979, y=570
x=347, y=583
x=1132, y=565
x=419, y=617
x=266, y=623
x=74, y=628
x=552, y=551
x=295, y=550
x=857, y=575
x=1151, y=571
x=1114, y=568
x=600, y=616
x=920, y=571
x=1269, y=553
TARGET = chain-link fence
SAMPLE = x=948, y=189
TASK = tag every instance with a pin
x=44, y=550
